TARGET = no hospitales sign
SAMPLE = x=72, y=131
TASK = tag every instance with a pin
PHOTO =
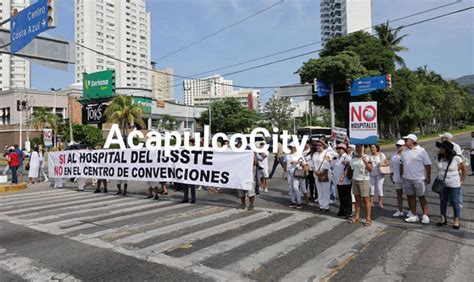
x=363, y=123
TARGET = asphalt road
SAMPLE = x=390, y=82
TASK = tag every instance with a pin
x=48, y=234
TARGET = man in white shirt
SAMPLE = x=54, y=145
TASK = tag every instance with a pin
x=415, y=169
x=472, y=153
x=449, y=137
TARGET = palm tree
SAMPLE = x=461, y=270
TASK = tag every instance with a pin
x=390, y=39
x=41, y=118
x=125, y=113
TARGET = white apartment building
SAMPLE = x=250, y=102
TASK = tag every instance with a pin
x=119, y=28
x=15, y=73
x=248, y=98
x=162, y=84
x=210, y=86
x=341, y=17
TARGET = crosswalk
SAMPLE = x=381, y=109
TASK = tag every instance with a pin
x=214, y=242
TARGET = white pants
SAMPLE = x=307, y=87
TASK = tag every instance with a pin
x=294, y=186
x=324, y=195
x=81, y=183
x=376, y=184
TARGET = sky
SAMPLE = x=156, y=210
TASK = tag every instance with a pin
x=445, y=45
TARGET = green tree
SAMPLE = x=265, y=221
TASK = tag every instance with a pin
x=40, y=119
x=278, y=112
x=168, y=122
x=125, y=113
x=228, y=115
x=390, y=39
x=91, y=135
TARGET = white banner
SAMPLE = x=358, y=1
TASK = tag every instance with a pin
x=198, y=166
x=48, y=137
x=339, y=133
x=363, y=123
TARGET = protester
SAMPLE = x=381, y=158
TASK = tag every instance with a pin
x=361, y=167
x=472, y=153
x=153, y=187
x=21, y=158
x=13, y=162
x=119, y=187
x=449, y=137
x=7, y=167
x=310, y=149
x=262, y=159
x=42, y=174
x=377, y=179
x=415, y=169
x=34, y=165
x=350, y=150
x=396, y=178
x=322, y=165
x=279, y=159
x=342, y=181
x=243, y=194
x=294, y=161
x=452, y=171
x=101, y=182
x=332, y=156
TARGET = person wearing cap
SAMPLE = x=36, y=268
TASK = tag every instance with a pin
x=342, y=181
x=449, y=137
x=361, y=166
x=21, y=157
x=452, y=170
x=295, y=160
x=262, y=170
x=377, y=179
x=415, y=169
x=322, y=165
x=396, y=178
x=350, y=150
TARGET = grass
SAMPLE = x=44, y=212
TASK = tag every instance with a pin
x=426, y=137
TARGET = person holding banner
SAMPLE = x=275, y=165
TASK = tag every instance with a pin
x=119, y=187
x=296, y=183
x=153, y=187
x=322, y=166
x=377, y=179
x=361, y=167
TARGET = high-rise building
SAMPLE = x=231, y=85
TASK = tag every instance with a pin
x=118, y=28
x=210, y=86
x=248, y=98
x=162, y=84
x=341, y=17
x=15, y=72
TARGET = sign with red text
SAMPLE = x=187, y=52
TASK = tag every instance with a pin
x=199, y=166
x=363, y=123
x=48, y=137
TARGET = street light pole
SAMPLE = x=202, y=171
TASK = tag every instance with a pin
x=54, y=112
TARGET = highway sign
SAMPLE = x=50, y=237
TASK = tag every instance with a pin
x=27, y=24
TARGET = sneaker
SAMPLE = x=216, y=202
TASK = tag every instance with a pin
x=425, y=219
x=250, y=208
x=332, y=202
x=299, y=206
x=409, y=214
x=156, y=197
x=316, y=200
x=412, y=219
x=265, y=190
x=105, y=190
x=149, y=196
x=398, y=214
x=293, y=205
x=243, y=207
x=96, y=191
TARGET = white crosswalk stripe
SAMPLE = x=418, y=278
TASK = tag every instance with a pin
x=33, y=194
x=118, y=224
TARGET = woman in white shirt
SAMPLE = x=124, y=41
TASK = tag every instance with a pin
x=361, y=167
x=310, y=149
x=322, y=165
x=295, y=160
x=377, y=179
x=343, y=183
x=396, y=178
x=449, y=167
x=34, y=165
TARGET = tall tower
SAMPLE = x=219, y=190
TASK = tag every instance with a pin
x=341, y=17
x=15, y=72
x=117, y=28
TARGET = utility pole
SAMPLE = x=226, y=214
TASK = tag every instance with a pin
x=21, y=121
x=333, y=113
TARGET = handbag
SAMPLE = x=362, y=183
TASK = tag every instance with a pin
x=438, y=185
x=27, y=166
x=299, y=172
x=385, y=170
x=323, y=177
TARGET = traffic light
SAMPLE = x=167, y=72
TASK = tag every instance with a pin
x=113, y=82
x=20, y=106
x=388, y=77
x=51, y=13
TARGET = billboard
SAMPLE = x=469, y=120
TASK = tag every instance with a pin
x=93, y=114
x=98, y=85
x=145, y=102
x=363, y=123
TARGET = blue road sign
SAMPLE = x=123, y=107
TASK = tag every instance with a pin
x=27, y=24
x=368, y=84
x=323, y=89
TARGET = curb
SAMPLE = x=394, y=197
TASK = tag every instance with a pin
x=13, y=187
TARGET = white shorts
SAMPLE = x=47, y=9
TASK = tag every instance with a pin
x=262, y=173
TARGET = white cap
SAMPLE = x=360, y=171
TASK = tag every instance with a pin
x=353, y=147
x=411, y=136
x=292, y=144
x=400, y=142
x=447, y=135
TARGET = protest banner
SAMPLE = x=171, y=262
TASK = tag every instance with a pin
x=363, y=123
x=184, y=165
x=339, y=133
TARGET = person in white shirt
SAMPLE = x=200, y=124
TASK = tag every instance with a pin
x=396, y=178
x=415, y=169
x=310, y=181
x=343, y=183
x=262, y=159
x=449, y=137
x=295, y=160
x=377, y=179
x=361, y=167
x=322, y=165
x=451, y=170
x=472, y=153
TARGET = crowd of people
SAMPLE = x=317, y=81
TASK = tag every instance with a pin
x=356, y=172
